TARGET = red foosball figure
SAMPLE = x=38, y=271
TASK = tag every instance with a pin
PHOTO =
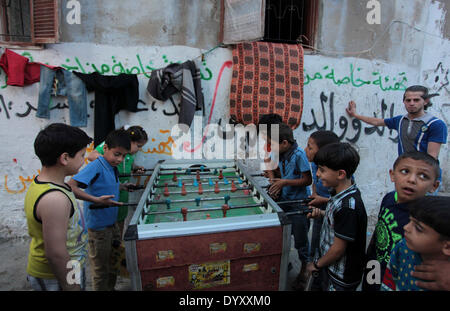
x=174, y=178
x=220, y=174
x=183, y=189
x=225, y=208
x=233, y=186
x=216, y=187
x=184, y=213
x=200, y=188
x=166, y=190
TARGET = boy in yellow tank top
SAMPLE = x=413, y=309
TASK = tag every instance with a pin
x=56, y=224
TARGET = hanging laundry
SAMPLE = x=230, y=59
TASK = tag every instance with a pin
x=112, y=94
x=61, y=82
x=267, y=78
x=179, y=78
x=19, y=69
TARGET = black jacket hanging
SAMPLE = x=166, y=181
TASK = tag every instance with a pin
x=112, y=94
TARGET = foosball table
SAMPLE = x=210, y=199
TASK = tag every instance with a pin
x=207, y=225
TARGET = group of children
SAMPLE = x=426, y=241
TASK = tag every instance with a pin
x=338, y=251
x=411, y=243
x=53, y=216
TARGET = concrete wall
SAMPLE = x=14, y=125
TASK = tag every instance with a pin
x=102, y=43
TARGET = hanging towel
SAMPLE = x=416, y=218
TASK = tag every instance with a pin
x=267, y=78
x=112, y=94
x=19, y=69
x=179, y=78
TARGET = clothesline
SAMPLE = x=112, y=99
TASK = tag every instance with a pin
x=201, y=55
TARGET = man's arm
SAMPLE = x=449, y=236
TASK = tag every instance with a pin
x=54, y=211
x=433, y=149
x=351, y=110
x=435, y=275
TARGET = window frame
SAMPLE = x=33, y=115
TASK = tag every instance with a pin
x=312, y=13
x=39, y=25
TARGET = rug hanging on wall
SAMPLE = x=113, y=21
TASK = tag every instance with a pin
x=267, y=78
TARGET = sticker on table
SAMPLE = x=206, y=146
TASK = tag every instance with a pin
x=165, y=282
x=216, y=248
x=250, y=267
x=209, y=274
x=250, y=248
x=164, y=255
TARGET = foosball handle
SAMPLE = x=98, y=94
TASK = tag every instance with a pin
x=225, y=208
x=184, y=211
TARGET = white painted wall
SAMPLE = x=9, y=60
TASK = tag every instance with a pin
x=18, y=126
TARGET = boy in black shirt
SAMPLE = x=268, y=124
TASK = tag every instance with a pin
x=344, y=229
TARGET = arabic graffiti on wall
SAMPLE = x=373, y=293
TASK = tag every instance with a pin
x=343, y=122
x=384, y=82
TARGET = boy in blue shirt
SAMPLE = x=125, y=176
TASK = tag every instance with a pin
x=293, y=185
x=100, y=178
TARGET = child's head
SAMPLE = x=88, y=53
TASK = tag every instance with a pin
x=428, y=231
x=270, y=118
x=317, y=140
x=414, y=174
x=284, y=141
x=59, y=143
x=117, y=145
x=138, y=137
x=416, y=98
x=336, y=162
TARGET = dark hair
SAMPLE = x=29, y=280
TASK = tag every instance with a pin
x=338, y=156
x=136, y=132
x=57, y=138
x=420, y=156
x=425, y=95
x=270, y=118
x=433, y=211
x=118, y=138
x=322, y=138
x=284, y=133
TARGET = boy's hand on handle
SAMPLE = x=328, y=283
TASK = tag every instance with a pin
x=276, y=186
x=106, y=200
x=351, y=109
x=317, y=200
x=315, y=212
x=128, y=186
x=139, y=170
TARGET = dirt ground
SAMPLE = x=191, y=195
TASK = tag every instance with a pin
x=13, y=264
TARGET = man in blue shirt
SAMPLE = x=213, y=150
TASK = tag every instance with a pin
x=293, y=185
x=417, y=130
x=100, y=178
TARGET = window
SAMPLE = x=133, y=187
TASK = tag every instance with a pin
x=28, y=22
x=282, y=21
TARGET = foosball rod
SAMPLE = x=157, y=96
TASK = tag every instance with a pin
x=194, y=200
x=208, y=190
x=178, y=169
x=190, y=178
x=194, y=210
x=176, y=185
x=101, y=206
